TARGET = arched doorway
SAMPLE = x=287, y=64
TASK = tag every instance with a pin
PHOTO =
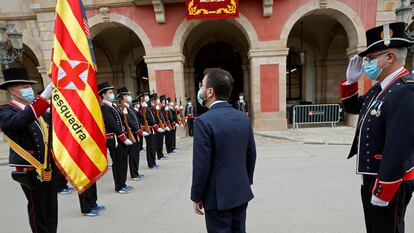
x=217, y=44
x=30, y=62
x=322, y=42
x=119, y=59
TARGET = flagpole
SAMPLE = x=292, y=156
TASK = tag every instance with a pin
x=47, y=174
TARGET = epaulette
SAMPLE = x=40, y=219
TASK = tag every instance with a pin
x=408, y=79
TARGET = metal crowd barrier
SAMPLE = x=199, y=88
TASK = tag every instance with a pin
x=316, y=114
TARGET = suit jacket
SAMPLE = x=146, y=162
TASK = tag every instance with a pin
x=224, y=157
x=383, y=138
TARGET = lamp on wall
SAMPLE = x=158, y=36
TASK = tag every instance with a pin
x=302, y=53
x=11, y=45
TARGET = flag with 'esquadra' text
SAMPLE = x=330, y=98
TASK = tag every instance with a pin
x=79, y=144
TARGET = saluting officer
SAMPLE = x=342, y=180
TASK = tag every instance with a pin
x=21, y=122
x=384, y=136
x=133, y=122
x=116, y=139
x=189, y=115
x=151, y=140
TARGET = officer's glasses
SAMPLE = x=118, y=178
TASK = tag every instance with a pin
x=374, y=56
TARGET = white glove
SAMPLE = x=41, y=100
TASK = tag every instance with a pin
x=47, y=93
x=144, y=134
x=168, y=128
x=181, y=107
x=167, y=108
x=125, y=111
x=144, y=105
x=160, y=130
x=354, y=70
x=157, y=107
x=378, y=202
x=136, y=109
x=128, y=142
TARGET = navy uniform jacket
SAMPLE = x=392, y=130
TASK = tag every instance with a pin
x=189, y=111
x=152, y=122
x=133, y=120
x=224, y=157
x=21, y=126
x=384, y=136
x=113, y=122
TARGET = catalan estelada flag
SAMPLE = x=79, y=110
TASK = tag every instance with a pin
x=79, y=144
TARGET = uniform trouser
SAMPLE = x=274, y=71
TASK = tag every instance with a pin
x=169, y=141
x=42, y=205
x=150, y=141
x=141, y=143
x=88, y=199
x=174, y=137
x=190, y=124
x=119, y=163
x=227, y=221
x=133, y=155
x=61, y=182
x=160, y=145
x=389, y=219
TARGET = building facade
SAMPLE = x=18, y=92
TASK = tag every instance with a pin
x=150, y=45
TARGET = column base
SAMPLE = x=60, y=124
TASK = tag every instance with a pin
x=272, y=121
x=351, y=120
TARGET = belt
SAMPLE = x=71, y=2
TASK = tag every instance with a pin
x=25, y=169
x=110, y=136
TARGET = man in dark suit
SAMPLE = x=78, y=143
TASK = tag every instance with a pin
x=224, y=157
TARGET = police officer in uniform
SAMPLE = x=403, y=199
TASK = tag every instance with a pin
x=189, y=114
x=116, y=139
x=20, y=121
x=147, y=108
x=384, y=136
x=160, y=121
x=133, y=122
x=137, y=107
x=169, y=135
x=241, y=104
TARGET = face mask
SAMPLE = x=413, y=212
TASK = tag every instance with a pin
x=200, y=98
x=146, y=98
x=129, y=99
x=111, y=97
x=27, y=94
x=158, y=102
x=371, y=69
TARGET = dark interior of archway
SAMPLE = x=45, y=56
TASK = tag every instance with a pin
x=219, y=55
x=142, y=76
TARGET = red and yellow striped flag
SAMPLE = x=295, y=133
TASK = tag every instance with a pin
x=79, y=144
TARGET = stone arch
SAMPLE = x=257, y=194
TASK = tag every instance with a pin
x=341, y=12
x=33, y=45
x=187, y=26
x=97, y=20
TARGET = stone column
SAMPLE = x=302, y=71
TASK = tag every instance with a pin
x=166, y=74
x=268, y=88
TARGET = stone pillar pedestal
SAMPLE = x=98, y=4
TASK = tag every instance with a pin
x=268, y=88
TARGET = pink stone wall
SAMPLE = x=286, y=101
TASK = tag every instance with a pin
x=269, y=88
x=165, y=82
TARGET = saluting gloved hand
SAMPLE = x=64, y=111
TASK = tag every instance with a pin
x=128, y=142
x=378, y=202
x=47, y=93
x=354, y=70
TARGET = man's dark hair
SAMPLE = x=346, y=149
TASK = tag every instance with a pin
x=221, y=81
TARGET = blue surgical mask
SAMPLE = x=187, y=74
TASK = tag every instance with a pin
x=371, y=69
x=129, y=99
x=200, y=98
x=111, y=97
x=27, y=94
